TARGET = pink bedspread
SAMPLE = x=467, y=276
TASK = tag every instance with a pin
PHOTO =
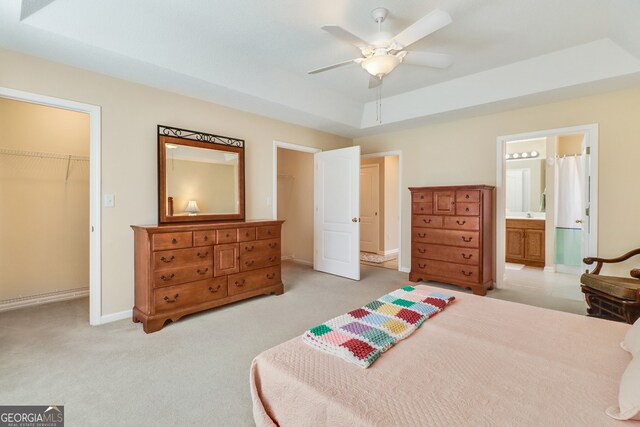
x=485, y=363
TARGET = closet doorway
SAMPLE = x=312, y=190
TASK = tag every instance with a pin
x=48, y=214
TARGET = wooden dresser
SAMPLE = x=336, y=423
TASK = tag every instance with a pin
x=452, y=236
x=525, y=241
x=183, y=269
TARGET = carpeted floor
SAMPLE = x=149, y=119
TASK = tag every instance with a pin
x=193, y=372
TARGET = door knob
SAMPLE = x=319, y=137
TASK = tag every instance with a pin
x=355, y=219
x=578, y=221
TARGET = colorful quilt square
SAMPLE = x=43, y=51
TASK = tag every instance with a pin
x=408, y=288
x=359, y=348
x=320, y=330
x=411, y=297
x=357, y=328
x=426, y=309
x=359, y=313
x=388, y=298
x=374, y=319
x=403, y=302
x=379, y=338
x=423, y=292
x=395, y=326
x=435, y=301
x=373, y=305
x=442, y=296
x=389, y=309
x=335, y=337
x=410, y=316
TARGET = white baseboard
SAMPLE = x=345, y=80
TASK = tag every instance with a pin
x=405, y=269
x=286, y=258
x=551, y=269
x=390, y=251
x=22, y=302
x=113, y=317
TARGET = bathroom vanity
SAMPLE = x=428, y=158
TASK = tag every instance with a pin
x=525, y=241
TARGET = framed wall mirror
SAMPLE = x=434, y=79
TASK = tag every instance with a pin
x=200, y=176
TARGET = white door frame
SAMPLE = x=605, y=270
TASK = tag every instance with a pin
x=95, y=274
x=400, y=194
x=591, y=132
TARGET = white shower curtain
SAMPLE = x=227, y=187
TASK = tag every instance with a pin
x=568, y=195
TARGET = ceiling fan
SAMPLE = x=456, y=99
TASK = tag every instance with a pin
x=382, y=56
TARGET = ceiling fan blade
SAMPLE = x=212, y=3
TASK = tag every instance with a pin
x=428, y=59
x=374, y=81
x=331, y=67
x=423, y=27
x=345, y=36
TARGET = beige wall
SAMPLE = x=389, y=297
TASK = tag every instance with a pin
x=569, y=144
x=44, y=217
x=295, y=203
x=130, y=114
x=391, y=202
x=464, y=152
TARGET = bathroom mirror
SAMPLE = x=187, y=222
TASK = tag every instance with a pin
x=525, y=187
x=200, y=176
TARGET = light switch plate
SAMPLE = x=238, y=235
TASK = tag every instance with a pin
x=109, y=200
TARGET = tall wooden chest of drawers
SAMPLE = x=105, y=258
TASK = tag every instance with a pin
x=452, y=236
x=183, y=269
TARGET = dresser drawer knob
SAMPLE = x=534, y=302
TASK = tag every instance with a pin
x=169, y=277
x=269, y=232
x=271, y=276
x=214, y=290
x=201, y=255
x=239, y=283
x=466, y=196
x=171, y=258
x=427, y=221
x=273, y=245
x=423, y=235
x=461, y=222
x=422, y=251
x=170, y=301
x=466, y=210
x=248, y=263
x=466, y=273
x=202, y=271
x=465, y=239
x=227, y=235
x=273, y=258
x=421, y=208
x=465, y=256
x=246, y=234
x=422, y=265
x=206, y=238
x=248, y=248
x=174, y=241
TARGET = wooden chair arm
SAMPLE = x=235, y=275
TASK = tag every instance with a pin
x=601, y=261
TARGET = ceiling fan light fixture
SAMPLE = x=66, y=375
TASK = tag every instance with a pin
x=380, y=65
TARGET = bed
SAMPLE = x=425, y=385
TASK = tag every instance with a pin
x=480, y=362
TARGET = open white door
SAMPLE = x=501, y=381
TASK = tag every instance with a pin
x=337, y=212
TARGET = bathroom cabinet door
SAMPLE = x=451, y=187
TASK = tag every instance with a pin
x=515, y=243
x=534, y=245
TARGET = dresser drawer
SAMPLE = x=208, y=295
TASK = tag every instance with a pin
x=466, y=273
x=246, y=234
x=204, y=238
x=468, y=239
x=464, y=208
x=422, y=208
x=267, y=232
x=230, y=235
x=252, y=280
x=422, y=196
x=182, y=257
x=462, y=223
x=190, y=294
x=468, y=196
x=270, y=246
x=175, y=276
x=446, y=253
x=428, y=221
x=259, y=259
x=162, y=241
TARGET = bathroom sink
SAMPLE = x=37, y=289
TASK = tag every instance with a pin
x=526, y=215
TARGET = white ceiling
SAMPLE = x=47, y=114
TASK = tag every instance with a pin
x=254, y=55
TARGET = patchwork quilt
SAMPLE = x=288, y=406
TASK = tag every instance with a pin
x=362, y=335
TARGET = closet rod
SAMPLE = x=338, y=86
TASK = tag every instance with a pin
x=43, y=155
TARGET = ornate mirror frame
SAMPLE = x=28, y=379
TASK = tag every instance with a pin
x=177, y=136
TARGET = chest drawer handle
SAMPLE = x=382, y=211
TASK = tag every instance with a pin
x=227, y=235
x=466, y=257
x=461, y=223
x=423, y=235
x=466, y=210
x=202, y=271
x=273, y=258
x=469, y=273
x=214, y=290
x=422, y=250
x=169, y=277
x=427, y=221
x=248, y=248
x=421, y=208
x=466, y=196
x=248, y=263
x=171, y=258
x=422, y=265
x=171, y=301
x=465, y=239
x=271, y=276
x=174, y=241
x=203, y=256
x=206, y=238
x=239, y=283
x=273, y=245
x=246, y=234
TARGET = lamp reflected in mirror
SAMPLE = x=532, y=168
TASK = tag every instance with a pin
x=192, y=208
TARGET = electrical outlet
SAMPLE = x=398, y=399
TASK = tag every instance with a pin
x=109, y=200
